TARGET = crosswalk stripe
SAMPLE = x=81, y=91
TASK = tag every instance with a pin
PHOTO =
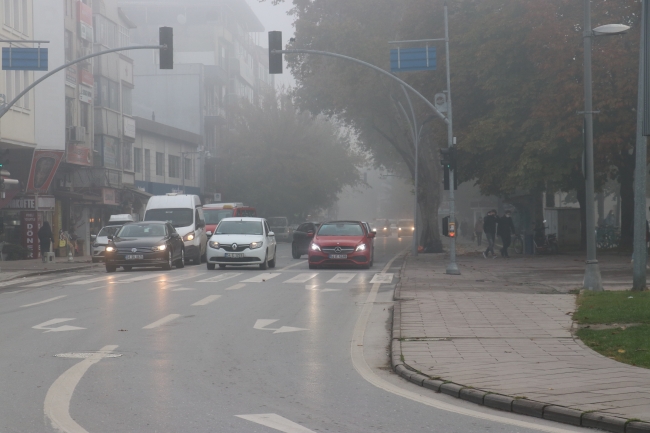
x=220, y=277
x=182, y=277
x=58, y=280
x=104, y=279
x=206, y=301
x=236, y=287
x=162, y=321
x=342, y=278
x=261, y=278
x=301, y=278
x=141, y=278
x=19, y=281
x=382, y=279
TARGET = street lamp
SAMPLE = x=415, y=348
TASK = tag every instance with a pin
x=592, y=279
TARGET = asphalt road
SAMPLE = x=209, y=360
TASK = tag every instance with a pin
x=235, y=350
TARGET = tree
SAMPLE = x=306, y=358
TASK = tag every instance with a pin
x=284, y=162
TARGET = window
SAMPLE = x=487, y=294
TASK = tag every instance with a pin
x=111, y=152
x=127, y=156
x=174, y=166
x=160, y=164
x=69, y=112
x=15, y=82
x=68, y=46
x=107, y=94
x=16, y=15
x=137, y=159
x=127, y=106
x=147, y=165
x=84, y=110
x=187, y=169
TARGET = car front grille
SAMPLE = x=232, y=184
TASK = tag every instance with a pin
x=235, y=259
x=331, y=250
x=230, y=249
x=137, y=250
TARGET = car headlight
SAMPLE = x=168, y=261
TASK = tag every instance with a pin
x=412, y=228
x=399, y=228
x=314, y=247
x=110, y=249
x=385, y=228
x=255, y=245
x=189, y=237
x=361, y=247
x=162, y=247
x=214, y=244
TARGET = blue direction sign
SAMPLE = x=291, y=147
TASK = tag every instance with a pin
x=24, y=59
x=413, y=59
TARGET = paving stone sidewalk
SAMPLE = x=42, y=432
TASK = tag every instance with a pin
x=504, y=327
x=13, y=269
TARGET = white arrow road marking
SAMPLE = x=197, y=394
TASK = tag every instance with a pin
x=44, y=326
x=59, y=280
x=262, y=324
x=44, y=302
x=301, y=278
x=261, y=278
x=382, y=279
x=57, y=399
x=236, y=287
x=206, y=301
x=342, y=278
x=220, y=277
x=162, y=321
x=276, y=422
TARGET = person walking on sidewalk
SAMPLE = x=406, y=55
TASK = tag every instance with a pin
x=505, y=231
x=478, y=231
x=45, y=238
x=490, y=229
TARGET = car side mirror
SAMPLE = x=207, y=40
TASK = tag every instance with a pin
x=110, y=237
x=208, y=233
x=372, y=235
x=310, y=234
x=93, y=237
x=271, y=234
x=175, y=235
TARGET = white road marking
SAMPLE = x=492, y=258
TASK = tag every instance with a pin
x=382, y=279
x=342, y=278
x=19, y=281
x=95, y=288
x=181, y=289
x=142, y=277
x=206, y=301
x=181, y=277
x=261, y=278
x=316, y=289
x=262, y=324
x=301, y=278
x=44, y=302
x=331, y=290
x=56, y=281
x=302, y=262
x=276, y=422
x=15, y=291
x=84, y=355
x=220, y=277
x=162, y=321
x=236, y=287
x=362, y=367
x=105, y=279
x=57, y=400
x=44, y=326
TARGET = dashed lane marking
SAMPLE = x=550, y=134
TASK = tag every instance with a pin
x=44, y=302
x=162, y=321
x=206, y=300
x=236, y=287
x=275, y=422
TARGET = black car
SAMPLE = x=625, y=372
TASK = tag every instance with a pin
x=302, y=237
x=147, y=243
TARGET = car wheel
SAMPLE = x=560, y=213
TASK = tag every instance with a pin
x=294, y=251
x=111, y=268
x=181, y=262
x=265, y=264
x=272, y=262
x=222, y=266
x=210, y=266
x=127, y=268
x=167, y=266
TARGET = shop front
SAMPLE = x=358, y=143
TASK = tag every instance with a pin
x=19, y=224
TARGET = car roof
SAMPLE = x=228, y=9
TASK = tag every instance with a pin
x=243, y=219
x=343, y=222
x=145, y=223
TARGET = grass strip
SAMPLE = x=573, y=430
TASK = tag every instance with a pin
x=630, y=345
x=613, y=307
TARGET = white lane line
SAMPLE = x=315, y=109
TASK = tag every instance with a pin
x=181, y=277
x=236, y=287
x=105, y=279
x=362, y=367
x=57, y=400
x=15, y=291
x=142, y=277
x=220, y=277
x=276, y=422
x=56, y=281
x=382, y=279
x=302, y=262
x=44, y=302
x=95, y=288
x=342, y=278
x=162, y=321
x=19, y=281
x=261, y=278
x=206, y=301
x=182, y=289
x=301, y=278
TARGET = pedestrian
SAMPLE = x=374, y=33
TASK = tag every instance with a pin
x=505, y=231
x=45, y=238
x=490, y=230
x=478, y=231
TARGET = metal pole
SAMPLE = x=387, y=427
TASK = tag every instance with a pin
x=452, y=267
x=592, y=280
x=640, y=251
x=416, y=139
x=183, y=169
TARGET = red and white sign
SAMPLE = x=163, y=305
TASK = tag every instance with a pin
x=44, y=166
x=86, y=77
x=78, y=155
x=85, y=18
x=30, y=224
x=109, y=196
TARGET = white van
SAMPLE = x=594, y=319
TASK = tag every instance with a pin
x=185, y=213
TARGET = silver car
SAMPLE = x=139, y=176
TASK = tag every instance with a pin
x=101, y=240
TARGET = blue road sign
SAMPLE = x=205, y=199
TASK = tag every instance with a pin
x=413, y=59
x=24, y=59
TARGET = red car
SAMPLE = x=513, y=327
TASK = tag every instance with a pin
x=341, y=243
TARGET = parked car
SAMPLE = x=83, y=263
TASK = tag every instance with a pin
x=147, y=243
x=100, y=240
x=405, y=228
x=240, y=242
x=280, y=226
x=341, y=243
x=302, y=237
x=215, y=212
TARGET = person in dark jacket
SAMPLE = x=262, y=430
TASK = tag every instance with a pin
x=45, y=237
x=490, y=229
x=505, y=231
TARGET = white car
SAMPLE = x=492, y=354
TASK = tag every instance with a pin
x=242, y=242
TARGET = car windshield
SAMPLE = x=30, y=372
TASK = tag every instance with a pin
x=214, y=216
x=405, y=223
x=178, y=217
x=108, y=231
x=240, y=228
x=278, y=222
x=341, y=229
x=142, y=231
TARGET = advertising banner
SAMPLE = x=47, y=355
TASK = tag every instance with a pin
x=44, y=166
x=85, y=17
x=30, y=233
x=78, y=155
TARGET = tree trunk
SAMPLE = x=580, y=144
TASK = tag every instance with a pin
x=429, y=199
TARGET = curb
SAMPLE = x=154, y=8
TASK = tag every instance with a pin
x=51, y=271
x=505, y=403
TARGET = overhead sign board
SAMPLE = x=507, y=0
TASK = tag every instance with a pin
x=24, y=59
x=413, y=59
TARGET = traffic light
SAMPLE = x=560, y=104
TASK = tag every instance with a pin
x=275, y=59
x=448, y=228
x=166, y=40
x=448, y=158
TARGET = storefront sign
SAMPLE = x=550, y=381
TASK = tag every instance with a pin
x=85, y=17
x=30, y=224
x=78, y=155
x=109, y=196
x=129, y=127
x=86, y=78
x=41, y=203
x=44, y=166
x=86, y=94
x=71, y=76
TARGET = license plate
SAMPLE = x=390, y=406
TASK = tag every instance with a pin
x=234, y=255
x=338, y=256
x=134, y=257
